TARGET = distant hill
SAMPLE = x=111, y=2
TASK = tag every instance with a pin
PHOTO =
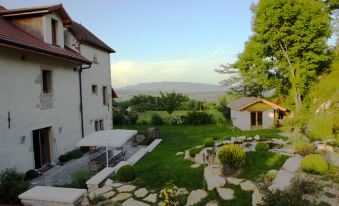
x=197, y=91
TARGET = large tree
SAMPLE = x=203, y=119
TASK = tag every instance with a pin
x=171, y=101
x=288, y=48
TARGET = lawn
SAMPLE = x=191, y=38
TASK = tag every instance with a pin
x=162, y=165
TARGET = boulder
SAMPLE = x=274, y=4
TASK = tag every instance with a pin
x=181, y=191
x=151, y=198
x=196, y=165
x=212, y=175
x=195, y=197
x=241, y=138
x=256, y=198
x=179, y=153
x=133, y=202
x=187, y=155
x=121, y=197
x=226, y=193
x=256, y=137
x=234, y=181
x=126, y=188
x=324, y=148
x=142, y=192
x=249, y=139
x=248, y=186
x=282, y=181
x=228, y=142
x=292, y=164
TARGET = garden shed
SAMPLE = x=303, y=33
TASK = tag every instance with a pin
x=250, y=113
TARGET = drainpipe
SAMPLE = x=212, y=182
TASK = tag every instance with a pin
x=81, y=104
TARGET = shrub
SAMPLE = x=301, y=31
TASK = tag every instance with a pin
x=304, y=148
x=84, y=149
x=193, y=151
x=156, y=119
x=126, y=174
x=305, y=185
x=175, y=120
x=270, y=176
x=314, y=163
x=168, y=194
x=74, y=154
x=31, y=174
x=283, y=198
x=232, y=157
x=12, y=183
x=119, y=118
x=209, y=142
x=198, y=118
x=132, y=117
x=261, y=146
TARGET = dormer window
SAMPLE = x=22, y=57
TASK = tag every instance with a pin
x=54, y=25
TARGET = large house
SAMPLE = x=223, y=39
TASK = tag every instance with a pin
x=55, y=85
x=250, y=113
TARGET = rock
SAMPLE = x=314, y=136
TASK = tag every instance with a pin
x=116, y=184
x=121, y=197
x=324, y=148
x=142, y=192
x=257, y=137
x=109, y=182
x=234, y=181
x=196, y=165
x=292, y=164
x=187, y=155
x=282, y=181
x=330, y=201
x=181, y=191
x=212, y=203
x=196, y=196
x=228, y=142
x=256, y=197
x=179, y=153
x=226, y=193
x=248, y=186
x=133, y=202
x=241, y=138
x=109, y=194
x=332, y=158
x=126, y=188
x=234, y=139
x=151, y=198
x=218, y=144
x=249, y=139
x=212, y=175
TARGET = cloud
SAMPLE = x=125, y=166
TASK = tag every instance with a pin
x=185, y=70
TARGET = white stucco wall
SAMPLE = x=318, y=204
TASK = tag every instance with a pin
x=48, y=29
x=241, y=119
x=20, y=89
x=100, y=75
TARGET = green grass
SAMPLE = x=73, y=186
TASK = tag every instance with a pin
x=259, y=163
x=146, y=116
x=162, y=165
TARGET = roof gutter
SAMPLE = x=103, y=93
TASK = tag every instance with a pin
x=81, y=102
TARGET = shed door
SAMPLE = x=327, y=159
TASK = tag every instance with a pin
x=256, y=120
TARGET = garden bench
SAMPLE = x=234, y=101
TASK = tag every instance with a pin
x=53, y=196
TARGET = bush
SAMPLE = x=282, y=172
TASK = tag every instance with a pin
x=305, y=185
x=84, y=149
x=175, y=120
x=198, y=118
x=74, y=154
x=12, y=183
x=126, y=174
x=232, y=157
x=156, y=119
x=304, y=148
x=209, y=142
x=283, y=198
x=261, y=146
x=193, y=151
x=132, y=117
x=119, y=118
x=31, y=174
x=314, y=164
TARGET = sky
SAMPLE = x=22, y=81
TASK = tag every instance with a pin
x=167, y=40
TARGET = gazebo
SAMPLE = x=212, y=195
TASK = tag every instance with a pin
x=116, y=138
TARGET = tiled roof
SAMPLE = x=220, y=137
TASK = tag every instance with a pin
x=244, y=102
x=83, y=34
x=14, y=36
x=114, y=94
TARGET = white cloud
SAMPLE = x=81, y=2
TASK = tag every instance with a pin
x=186, y=70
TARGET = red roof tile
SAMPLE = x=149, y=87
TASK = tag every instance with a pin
x=14, y=36
x=114, y=94
x=83, y=34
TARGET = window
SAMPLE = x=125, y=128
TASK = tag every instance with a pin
x=256, y=118
x=95, y=59
x=99, y=125
x=94, y=89
x=54, y=25
x=46, y=81
x=104, y=95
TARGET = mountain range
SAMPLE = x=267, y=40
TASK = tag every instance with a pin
x=196, y=91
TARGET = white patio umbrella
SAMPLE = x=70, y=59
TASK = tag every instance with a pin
x=107, y=138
